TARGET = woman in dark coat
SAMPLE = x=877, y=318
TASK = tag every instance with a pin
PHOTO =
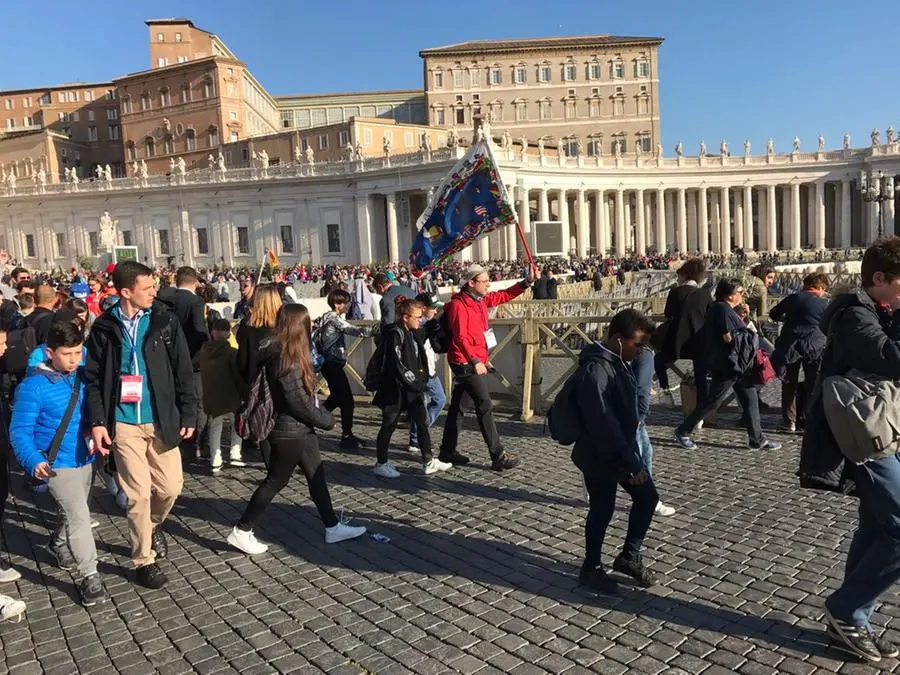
x=690, y=276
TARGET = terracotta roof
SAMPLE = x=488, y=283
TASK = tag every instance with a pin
x=480, y=46
x=397, y=93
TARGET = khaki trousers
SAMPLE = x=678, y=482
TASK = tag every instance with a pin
x=150, y=474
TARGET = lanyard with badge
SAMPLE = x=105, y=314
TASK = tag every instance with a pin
x=132, y=385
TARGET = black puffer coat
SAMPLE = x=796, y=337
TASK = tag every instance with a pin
x=297, y=414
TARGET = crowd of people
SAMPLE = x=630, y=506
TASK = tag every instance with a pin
x=131, y=373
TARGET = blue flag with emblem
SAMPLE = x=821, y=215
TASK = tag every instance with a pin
x=470, y=202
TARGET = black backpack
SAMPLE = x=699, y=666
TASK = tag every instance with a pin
x=564, y=415
x=19, y=345
x=439, y=334
x=256, y=418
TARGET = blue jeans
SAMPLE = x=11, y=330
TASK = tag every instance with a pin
x=645, y=447
x=873, y=561
x=434, y=390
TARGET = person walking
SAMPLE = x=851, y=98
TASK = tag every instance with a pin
x=287, y=359
x=429, y=334
x=471, y=339
x=643, y=366
x=689, y=276
x=141, y=401
x=391, y=293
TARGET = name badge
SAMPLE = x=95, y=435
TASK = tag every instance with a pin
x=132, y=389
x=490, y=338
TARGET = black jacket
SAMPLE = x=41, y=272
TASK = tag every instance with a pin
x=223, y=385
x=249, y=340
x=608, y=403
x=297, y=414
x=189, y=308
x=169, y=369
x=405, y=367
x=545, y=288
x=862, y=335
x=674, y=306
x=40, y=319
x=802, y=338
x=690, y=337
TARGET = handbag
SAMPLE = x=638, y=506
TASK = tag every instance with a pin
x=53, y=450
x=763, y=371
x=863, y=413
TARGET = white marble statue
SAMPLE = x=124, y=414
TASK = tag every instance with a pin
x=846, y=141
x=386, y=145
x=507, y=140
x=263, y=158
x=821, y=143
x=357, y=152
x=795, y=146
x=523, y=145
x=73, y=177
x=107, y=174
x=310, y=155
x=298, y=154
x=348, y=152
x=41, y=178
x=107, y=232
x=541, y=150
x=679, y=149
x=11, y=182
x=702, y=149
x=618, y=148
x=770, y=147
x=425, y=142
x=211, y=162
x=579, y=147
x=144, y=172
x=98, y=171
x=479, y=135
x=452, y=138
x=181, y=167
x=890, y=135
x=220, y=163
x=659, y=150
x=876, y=138
x=171, y=166
x=747, y=147
x=723, y=148
x=560, y=149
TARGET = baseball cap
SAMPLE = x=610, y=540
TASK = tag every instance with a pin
x=430, y=301
x=471, y=272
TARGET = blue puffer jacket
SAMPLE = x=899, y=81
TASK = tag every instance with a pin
x=40, y=403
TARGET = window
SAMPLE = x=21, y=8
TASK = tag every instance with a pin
x=208, y=89
x=521, y=111
x=460, y=115
x=88, y=96
x=160, y=37
x=150, y=145
x=9, y=104
x=245, y=154
x=29, y=246
x=571, y=111
x=90, y=115
x=344, y=139
x=213, y=137
x=112, y=114
x=202, y=241
x=10, y=123
x=177, y=37
x=642, y=69
x=408, y=139
x=594, y=71
x=333, y=231
x=323, y=142
x=570, y=72
x=618, y=69
x=45, y=99
x=161, y=62
x=234, y=136
x=544, y=72
x=92, y=133
x=110, y=95
x=113, y=132
x=287, y=239
x=60, y=245
x=439, y=117
x=190, y=140
x=126, y=105
x=457, y=79
x=594, y=107
x=185, y=93
x=496, y=77
x=94, y=242
x=61, y=97
x=182, y=59
x=545, y=110
x=520, y=75
x=438, y=80
x=145, y=102
x=233, y=115
x=243, y=240
x=164, y=98
x=593, y=147
x=570, y=146
x=130, y=151
x=126, y=238
x=164, y=242
x=623, y=144
x=28, y=121
x=367, y=137
x=169, y=145
x=643, y=106
x=26, y=102
x=475, y=78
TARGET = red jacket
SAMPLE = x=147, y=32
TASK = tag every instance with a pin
x=467, y=319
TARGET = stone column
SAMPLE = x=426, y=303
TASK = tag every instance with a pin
x=484, y=249
x=640, y=244
x=889, y=210
x=846, y=222
x=393, y=235
x=670, y=199
x=795, y=217
x=725, y=220
x=660, y=220
x=748, y=217
x=544, y=205
x=703, y=221
x=563, y=215
x=715, y=229
x=524, y=211
x=771, y=220
x=681, y=243
x=364, y=226
x=582, y=233
x=512, y=236
x=600, y=237
x=762, y=211
x=871, y=222
x=187, y=236
x=692, y=226
x=629, y=227
x=739, y=218
x=818, y=240
x=620, y=222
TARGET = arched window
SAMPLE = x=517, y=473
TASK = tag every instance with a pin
x=213, y=136
x=150, y=146
x=129, y=149
x=190, y=140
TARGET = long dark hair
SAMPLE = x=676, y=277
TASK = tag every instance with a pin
x=292, y=335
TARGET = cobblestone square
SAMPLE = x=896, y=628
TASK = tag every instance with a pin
x=479, y=575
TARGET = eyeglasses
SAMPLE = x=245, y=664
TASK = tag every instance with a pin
x=482, y=281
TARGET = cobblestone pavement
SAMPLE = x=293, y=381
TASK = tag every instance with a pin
x=479, y=575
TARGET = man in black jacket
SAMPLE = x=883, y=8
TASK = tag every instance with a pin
x=863, y=333
x=545, y=288
x=607, y=451
x=140, y=391
x=188, y=307
x=42, y=317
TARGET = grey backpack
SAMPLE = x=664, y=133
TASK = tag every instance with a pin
x=863, y=413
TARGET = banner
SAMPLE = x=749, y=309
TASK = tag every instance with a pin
x=468, y=204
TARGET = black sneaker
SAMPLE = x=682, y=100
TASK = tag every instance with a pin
x=350, y=442
x=64, y=558
x=636, y=569
x=151, y=576
x=885, y=647
x=858, y=640
x=158, y=542
x=454, y=458
x=598, y=580
x=92, y=591
x=504, y=461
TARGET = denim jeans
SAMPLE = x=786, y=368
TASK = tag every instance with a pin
x=602, y=486
x=645, y=447
x=873, y=561
x=216, y=426
x=747, y=396
x=434, y=390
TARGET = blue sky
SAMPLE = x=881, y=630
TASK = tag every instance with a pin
x=729, y=68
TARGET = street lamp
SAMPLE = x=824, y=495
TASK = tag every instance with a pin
x=878, y=188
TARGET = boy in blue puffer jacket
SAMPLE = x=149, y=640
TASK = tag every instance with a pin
x=41, y=402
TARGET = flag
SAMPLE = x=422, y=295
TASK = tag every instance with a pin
x=273, y=259
x=469, y=203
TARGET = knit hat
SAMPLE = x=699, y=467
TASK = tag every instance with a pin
x=471, y=272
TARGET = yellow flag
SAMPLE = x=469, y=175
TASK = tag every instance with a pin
x=273, y=259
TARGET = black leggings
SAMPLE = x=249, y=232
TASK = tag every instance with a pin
x=390, y=416
x=287, y=453
x=340, y=396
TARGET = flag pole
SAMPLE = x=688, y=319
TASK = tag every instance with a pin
x=262, y=265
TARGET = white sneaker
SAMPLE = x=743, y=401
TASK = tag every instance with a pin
x=95, y=524
x=10, y=608
x=386, y=470
x=122, y=500
x=664, y=510
x=699, y=426
x=246, y=541
x=342, y=532
x=414, y=449
x=8, y=574
x=434, y=465
x=236, y=462
x=216, y=462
